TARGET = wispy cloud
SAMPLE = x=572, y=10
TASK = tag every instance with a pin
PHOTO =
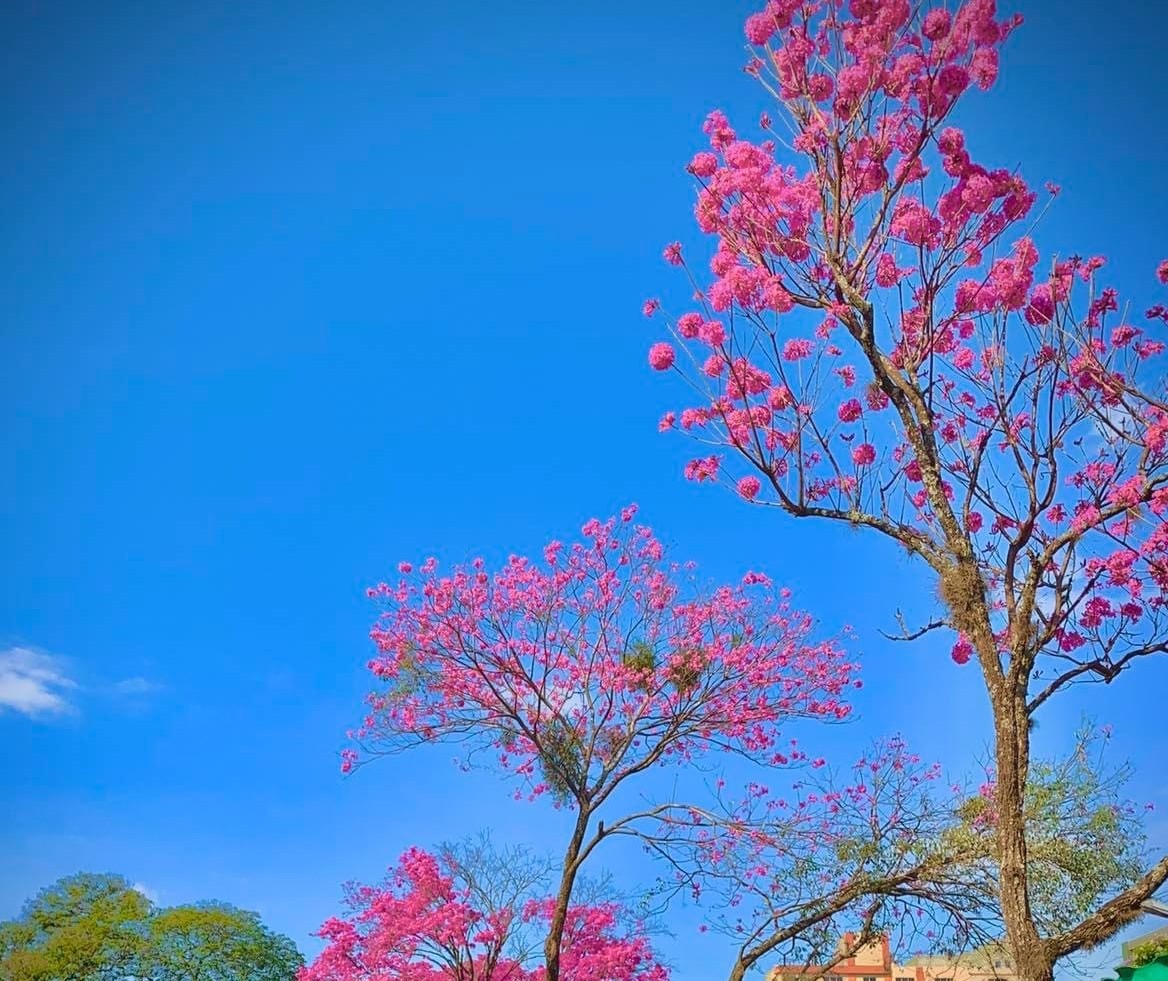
x=135, y=686
x=33, y=684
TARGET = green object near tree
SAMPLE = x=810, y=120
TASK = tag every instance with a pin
x=1152, y=970
x=99, y=928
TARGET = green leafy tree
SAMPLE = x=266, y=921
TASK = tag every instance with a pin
x=216, y=942
x=82, y=928
x=90, y=927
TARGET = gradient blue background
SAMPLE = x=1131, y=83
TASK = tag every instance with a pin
x=294, y=291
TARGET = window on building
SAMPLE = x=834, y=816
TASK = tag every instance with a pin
x=906, y=979
x=870, y=978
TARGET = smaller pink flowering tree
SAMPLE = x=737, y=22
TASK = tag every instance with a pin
x=866, y=852
x=473, y=914
x=590, y=669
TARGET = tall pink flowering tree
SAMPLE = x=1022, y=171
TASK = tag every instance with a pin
x=879, y=343
x=590, y=668
x=473, y=914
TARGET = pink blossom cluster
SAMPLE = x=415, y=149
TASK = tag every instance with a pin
x=605, y=644
x=874, y=304
x=423, y=925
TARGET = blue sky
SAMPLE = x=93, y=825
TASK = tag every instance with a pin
x=293, y=291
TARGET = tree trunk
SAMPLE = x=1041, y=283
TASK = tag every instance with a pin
x=551, y=947
x=1031, y=955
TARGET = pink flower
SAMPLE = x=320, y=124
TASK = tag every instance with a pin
x=651, y=307
x=963, y=358
x=781, y=397
x=405, y=568
x=951, y=140
x=886, y=271
x=712, y=332
x=688, y=324
x=796, y=349
x=962, y=651
x=915, y=223
x=819, y=87
x=984, y=67
x=704, y=468
x=864, y=455
x=1162, y=272
x=776, y=296
x=850, y=411
x=759, y=28
x=1129, y=493
x=1123, y=335
x=936, y=24
x=978, y=193
x=953, y=80
x=749, y=487
x=1041, y=307
x=714, y=365
x=717, y=128
x=661, y=356
x=876, y=397
x=704, y=164
x=672, y=253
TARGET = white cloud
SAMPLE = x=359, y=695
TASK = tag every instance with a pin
x=33, y=683
x=135, y=686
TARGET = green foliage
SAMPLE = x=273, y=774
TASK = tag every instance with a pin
x=561, y=758
x=98, y=928
x=1142, y=954
x=412, y=676
x=641, y=658
x=1084, y=841
x=686, y=669
x=215, y=942
x=81, y=928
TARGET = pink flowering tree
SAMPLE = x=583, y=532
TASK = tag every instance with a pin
x=879, y=343
x=473, y=914
x=591, y=668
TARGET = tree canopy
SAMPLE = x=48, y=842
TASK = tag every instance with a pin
x=89, y=927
